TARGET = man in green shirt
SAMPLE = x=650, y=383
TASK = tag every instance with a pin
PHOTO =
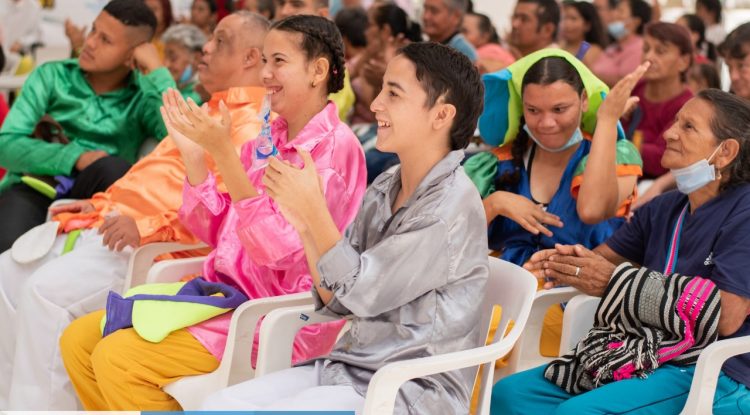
x=107, y=102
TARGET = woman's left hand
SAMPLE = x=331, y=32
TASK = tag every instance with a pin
x=579, y=267
x=618, y=101
x=296, y=191
x=194, y=122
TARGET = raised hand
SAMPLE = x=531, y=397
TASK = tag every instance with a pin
x=193, y=123
x=619, y=102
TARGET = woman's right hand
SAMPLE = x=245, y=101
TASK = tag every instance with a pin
x=521, y=210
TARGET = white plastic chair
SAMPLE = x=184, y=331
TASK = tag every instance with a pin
x=703, y=388
x=235, y=365
x=510, y=286
x=526, y=354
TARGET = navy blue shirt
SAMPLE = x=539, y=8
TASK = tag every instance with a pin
x=714, y=244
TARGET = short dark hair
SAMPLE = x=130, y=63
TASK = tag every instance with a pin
x=212, y=6
x=461, y=86
x=712, y=6
x=132, y=13
x=696, y=25
x=737, y=43
x=548, y=11
x=595, y=35
x=641, y=10
x=352, y=23
x=674, y=34
x=731, y=119
x=393, y=16
x=320, y=38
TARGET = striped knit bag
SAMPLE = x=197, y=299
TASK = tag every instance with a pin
x=645, y=319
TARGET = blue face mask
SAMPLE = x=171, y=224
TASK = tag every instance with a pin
x=187, y=75
x=576, y=138
x=617, y=29
x=696, y=175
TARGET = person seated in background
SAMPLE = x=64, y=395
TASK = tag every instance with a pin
x=203, y=14
x=255, y=250
x=703, y=50
x=183, y=44
x=623, y=55
x=163, y=11
x=39, y=299
x=581, y=31
x=265, y=8
x=441, y=22
x=479, y=31
x=21, y=24
x=352, y=23
x=101, y=104
x=710, y=11
x=411, y=271
x=563, y=173
x=702, y=76
x=534, y=26
x=736, y=52
x=660, y=96
x=692, y=245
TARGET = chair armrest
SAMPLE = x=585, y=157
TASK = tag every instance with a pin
x=173, y=270
x=712, y=358
x=526, y=353
x=239, y=347
x=277, y=334
x=384, y=386
x=143, y=258
x=577, y=320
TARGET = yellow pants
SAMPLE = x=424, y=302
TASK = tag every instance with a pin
x=124, y=372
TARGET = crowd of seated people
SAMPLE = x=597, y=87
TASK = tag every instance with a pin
x=322, y=153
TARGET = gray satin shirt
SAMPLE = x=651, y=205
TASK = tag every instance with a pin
x=412, y=282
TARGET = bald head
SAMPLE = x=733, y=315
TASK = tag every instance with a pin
x=232, y=57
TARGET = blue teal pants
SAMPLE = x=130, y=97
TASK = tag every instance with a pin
x=664, y=392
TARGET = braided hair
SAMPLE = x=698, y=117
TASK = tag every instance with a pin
x=320, y=38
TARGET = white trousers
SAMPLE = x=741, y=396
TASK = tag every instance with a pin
x=294, y=389
x=37, y=302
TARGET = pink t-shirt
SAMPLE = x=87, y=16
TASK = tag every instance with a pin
x=495, y=52
x=254, y=248
x=618, y=60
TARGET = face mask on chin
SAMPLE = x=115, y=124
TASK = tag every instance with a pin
x=617, y=29
x=696, y=175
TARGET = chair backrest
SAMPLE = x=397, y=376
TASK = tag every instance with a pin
x=513, y=288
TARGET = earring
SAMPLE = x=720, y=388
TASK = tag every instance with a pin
x=312, y=84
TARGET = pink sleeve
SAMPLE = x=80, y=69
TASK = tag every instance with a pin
x=269, y=240
x=203, y=209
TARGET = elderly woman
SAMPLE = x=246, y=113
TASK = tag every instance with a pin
x=701, y=230
x=182, y=54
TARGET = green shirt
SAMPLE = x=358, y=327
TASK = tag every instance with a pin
x=116, y=122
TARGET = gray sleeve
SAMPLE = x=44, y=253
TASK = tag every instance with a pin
x=392, y=273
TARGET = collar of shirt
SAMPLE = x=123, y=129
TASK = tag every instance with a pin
x=449, y=38
x=390, y=183
x=78, y=80
x=238, y=96
x=315, y=130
